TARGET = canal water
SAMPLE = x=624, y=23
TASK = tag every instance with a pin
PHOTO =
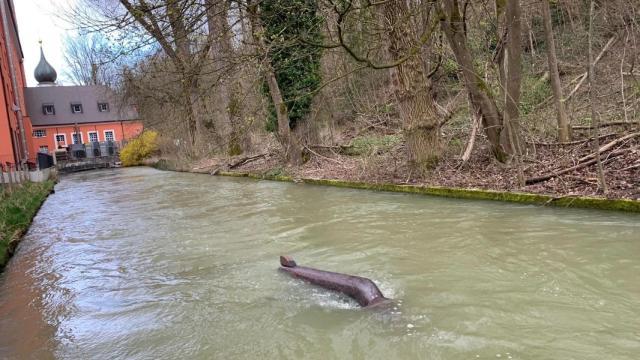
x=143, y=264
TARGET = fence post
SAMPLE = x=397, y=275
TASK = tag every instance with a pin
x=25, y=172
x=10, y=174
x=20, y=171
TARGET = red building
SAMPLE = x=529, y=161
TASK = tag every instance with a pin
x=65, y=115
x=16, y=145
x=49, y=117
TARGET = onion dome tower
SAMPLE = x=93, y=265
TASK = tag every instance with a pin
x=45, y=74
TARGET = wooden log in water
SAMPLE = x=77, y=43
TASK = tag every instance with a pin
x=361, y=289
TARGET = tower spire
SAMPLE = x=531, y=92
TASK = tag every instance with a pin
x=45, y=74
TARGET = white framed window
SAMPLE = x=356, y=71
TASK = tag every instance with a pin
x=44, y=149
x=93, y=136
x=109, y=135
x=76, y=108
x=40, y=133
x=61, y=139
x=77, y=138
x=48, y=109
x=103, y=107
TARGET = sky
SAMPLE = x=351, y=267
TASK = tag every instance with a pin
x=37, y=20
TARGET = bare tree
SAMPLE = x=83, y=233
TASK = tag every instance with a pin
x=292, y=148
x=564, y=133
x=90, y=60
x=412, y=87
x=595, y=122
x=174, y=26
x=453, y=26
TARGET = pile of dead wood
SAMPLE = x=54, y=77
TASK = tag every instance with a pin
x=608, y=152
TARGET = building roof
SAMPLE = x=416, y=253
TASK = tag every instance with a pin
x=62, y=97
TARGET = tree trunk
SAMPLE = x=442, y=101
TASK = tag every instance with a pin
x=412, y=90
x=292, y=149
x=592, y=100
x=481, y=96
x=187, y=98
x=564, y=134
x=221, y=52
x=184, y=64
x=512, y=65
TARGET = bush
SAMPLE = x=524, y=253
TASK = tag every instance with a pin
x=139, y=148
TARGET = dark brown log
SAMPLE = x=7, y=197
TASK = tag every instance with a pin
x=363, y=290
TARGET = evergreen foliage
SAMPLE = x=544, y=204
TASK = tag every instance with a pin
x=296, y=62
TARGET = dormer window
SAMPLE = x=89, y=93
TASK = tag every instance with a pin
x=103, y=107
x=48, y=109
x=76, y=108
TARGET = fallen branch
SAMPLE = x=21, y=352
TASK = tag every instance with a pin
x=246, y=160
x=551, y=175
x=576, y=142
x=448, y=111
x=609, y=145
x=340, y=149
x=322, y=156
x=635, y=166
x=607, y=124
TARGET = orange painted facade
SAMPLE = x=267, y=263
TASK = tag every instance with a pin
x=16, y=147
x=11, y=148
x=113, y=130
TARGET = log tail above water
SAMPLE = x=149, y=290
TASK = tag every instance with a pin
x=363, y=290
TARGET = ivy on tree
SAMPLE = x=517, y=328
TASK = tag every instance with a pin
x=296, y=62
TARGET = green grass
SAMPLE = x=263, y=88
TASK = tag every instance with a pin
x=16, y=212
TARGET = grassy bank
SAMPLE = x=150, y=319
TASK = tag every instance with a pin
x=16, y=212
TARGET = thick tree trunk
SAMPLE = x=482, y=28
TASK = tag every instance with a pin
x=481, y=97
x=412, y=90
x=564, y=134
x=292, y=149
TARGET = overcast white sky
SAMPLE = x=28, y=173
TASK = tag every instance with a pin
x=37, y=20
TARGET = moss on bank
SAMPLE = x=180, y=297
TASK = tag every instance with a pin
x=516, y=197
x=16, y=212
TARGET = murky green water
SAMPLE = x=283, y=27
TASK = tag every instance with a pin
x=143, y=264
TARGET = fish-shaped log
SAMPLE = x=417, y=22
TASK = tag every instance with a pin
x=363, y=290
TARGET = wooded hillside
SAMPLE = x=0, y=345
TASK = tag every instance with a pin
x=535, y=95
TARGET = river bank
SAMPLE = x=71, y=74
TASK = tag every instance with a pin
x=139, y=263
x=271, y=171
x=17, y=210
